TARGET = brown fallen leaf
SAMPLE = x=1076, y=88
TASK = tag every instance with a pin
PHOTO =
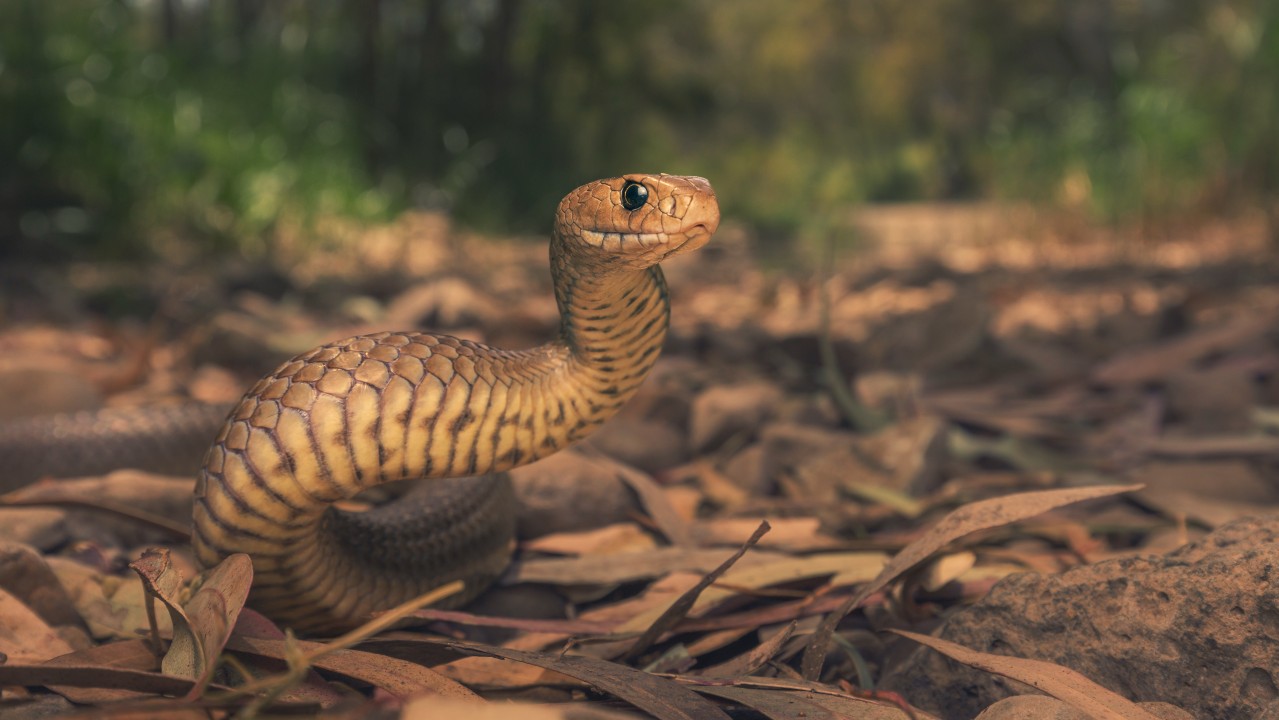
x=566, y=627
x=798, y=534
x=126, y=654
x=843, y=569
x=622, y=567
x=714, y=641
x=967, y=519
x=783, y=699
x=1060, y=682
x=398, y=677
x=657, y=696
x=141, y=498
x=25, y=574
x=608, y=540
x=114, y=608
x=1161, y=360
x=431, y=707
x=652, y=496
x=94, y=676
x=313, y=688
x=24, y=637
x=1262, y=446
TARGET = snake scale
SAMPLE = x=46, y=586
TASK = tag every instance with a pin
x=390, y=406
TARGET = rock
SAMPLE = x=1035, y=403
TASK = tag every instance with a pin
x=724, y=411
x=1042, y=707
x=1194, y=628
x=569, y=491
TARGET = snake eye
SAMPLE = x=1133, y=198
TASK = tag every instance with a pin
x=634, y=195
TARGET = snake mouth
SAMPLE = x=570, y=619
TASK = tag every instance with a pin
x=694, y=238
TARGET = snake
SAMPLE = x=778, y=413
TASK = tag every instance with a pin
x=390, y=406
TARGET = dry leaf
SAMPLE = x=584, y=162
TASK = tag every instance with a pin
x=127, y=654
x=431, y=707
x=684, y=602
x=1060, y=682
x=201, y=627
x=660, y=697
x=946, y=568
x=608, y=540
x=799, y=534
x=400, y=678
x=24, y=637
x=844, y=569
x=749, y=662
x=781, y=699
x=619, y=568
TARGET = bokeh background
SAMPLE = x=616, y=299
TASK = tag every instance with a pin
x=131, y=125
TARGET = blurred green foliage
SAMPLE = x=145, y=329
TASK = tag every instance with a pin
x=128, y=124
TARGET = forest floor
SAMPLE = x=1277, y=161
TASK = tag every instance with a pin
x=958, y=398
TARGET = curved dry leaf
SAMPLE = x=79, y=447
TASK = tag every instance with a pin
x=211, y=614
x=201, y=627
x=970, y=518
x=1060, y=682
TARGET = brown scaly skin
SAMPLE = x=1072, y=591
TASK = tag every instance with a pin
x=391, y=406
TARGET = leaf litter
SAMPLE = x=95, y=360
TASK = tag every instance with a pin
x=1012, y=444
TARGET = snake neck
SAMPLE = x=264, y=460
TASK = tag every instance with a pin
x=612, y=326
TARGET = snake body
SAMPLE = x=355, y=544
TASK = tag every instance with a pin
x=346, y=416
x=160, y=438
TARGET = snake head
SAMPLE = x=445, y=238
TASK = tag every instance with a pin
x=635, y=221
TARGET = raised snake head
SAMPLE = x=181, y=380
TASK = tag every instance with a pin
x=635, y=221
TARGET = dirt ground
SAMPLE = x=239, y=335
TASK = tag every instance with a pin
x=1028, y=450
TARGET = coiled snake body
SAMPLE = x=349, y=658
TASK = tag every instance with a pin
x=391, y=406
